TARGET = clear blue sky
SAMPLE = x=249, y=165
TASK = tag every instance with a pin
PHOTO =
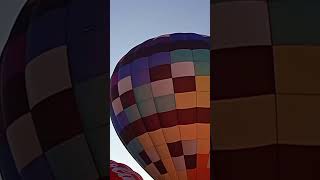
x=134, y=21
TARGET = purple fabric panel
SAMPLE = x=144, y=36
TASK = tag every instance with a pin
x=124, y=71
x=114, y=79
x=159, y=59
x=140, y=77
x=122, y=120
x=139, y=64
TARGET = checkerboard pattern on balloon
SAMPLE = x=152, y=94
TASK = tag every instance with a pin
x=266, y=64
x=160, y=94
x=53, y=120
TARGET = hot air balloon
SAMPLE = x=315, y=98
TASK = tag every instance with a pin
x=53, y=93
x=265, y=95
x=120, y=171
x=160, y=94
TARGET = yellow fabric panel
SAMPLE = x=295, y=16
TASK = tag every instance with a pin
x=182, y=175
x=171, y=134
x=163, y=151
x=203, y=131
x=203, y=99
x=168, y=163
x=152, y=154
x=186, y=100
x=157, y=137
x=203, y=83
x=188, y=132
x=152, y=170
x=203, y=146
x=145, y=140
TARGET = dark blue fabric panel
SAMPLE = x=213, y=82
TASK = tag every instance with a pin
x=88, y=39
x=7, y=165
x=46, y=32
x=37, y=169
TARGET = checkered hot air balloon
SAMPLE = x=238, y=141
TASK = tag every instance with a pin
x=53, y=92
x=120, y=171
x=160, y=94
x=266, y=89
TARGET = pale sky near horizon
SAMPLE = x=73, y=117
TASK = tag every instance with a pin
x=133, y=22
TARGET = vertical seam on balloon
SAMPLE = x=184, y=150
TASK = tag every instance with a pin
x=156, y=108
x=147, y=132
x=178, y=125
x=30, y=108
x=153, y=97
x=196, y=118
x=28, y=101
x=115, y=121
x=277, y=171
x=160, y=123
x=67, y=41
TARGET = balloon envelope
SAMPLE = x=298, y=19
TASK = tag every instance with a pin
x=265, y=95
x=160, y=94
x=119, y=171
x=53, y=122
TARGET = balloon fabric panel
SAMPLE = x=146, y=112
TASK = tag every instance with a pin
x=160, y=94
x=54, y=93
